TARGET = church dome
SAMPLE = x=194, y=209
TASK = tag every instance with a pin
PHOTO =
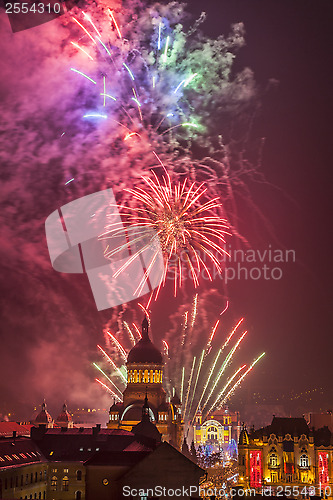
x=145, y=351
x=64, y=415
x=43, y=417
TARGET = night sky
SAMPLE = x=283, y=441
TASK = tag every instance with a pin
x=50, y=325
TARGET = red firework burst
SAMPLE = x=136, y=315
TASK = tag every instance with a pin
x=177, y=221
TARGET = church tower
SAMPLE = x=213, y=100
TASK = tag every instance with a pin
x=144, y=387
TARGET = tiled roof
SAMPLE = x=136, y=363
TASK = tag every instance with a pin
x=281, y=426
x=7, y=429
x=80, y=445
x=19, y=451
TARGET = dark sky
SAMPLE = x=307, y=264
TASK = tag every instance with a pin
x=291, y=42
x=288, y=46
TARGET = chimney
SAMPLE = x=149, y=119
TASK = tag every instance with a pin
x=96, y=429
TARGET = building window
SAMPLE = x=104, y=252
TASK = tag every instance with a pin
x=304, y=461
x=289, y=478
x=36, y=477
x=78, y=495
x=78, y=475
x=54, y=482
x=274, y=477
x=273, y=460
x=65, y=483
x=66, y=471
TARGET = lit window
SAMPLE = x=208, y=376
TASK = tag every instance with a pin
x=54, y=482
x=65, y=483
x=304, y=461
x=65, y=471
x=273, y=460
x=8, y=457
x=22, y=455
x=54, y=470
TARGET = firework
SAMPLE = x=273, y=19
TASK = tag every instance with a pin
x=177, y=220
x=204, y=382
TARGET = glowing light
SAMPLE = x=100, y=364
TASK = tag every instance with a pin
x=128, y=136
x=136, y=328
x=196, y=380
x=136, y=101
x=85, y=30
x=166, y=348
x=115, y=23
x=194, y=310
x=188, y=80
x=189, y=386
x=226, y=387
x=182, y=384
x=107, y=377
x=131, y=336
x=82, y=50
x=129, y=71
x=104, y=91
x=186, y=227
x=233, y=388
x=118, y=345
x=114, y=366
x=225, y=309
x=109, y=96
x=90, y=21
x=95, y=115
x=165, y=55
x=108, y=389
x=104, y=46
x=232, y=333
x=178, y=86
x=188, y=124
x=70, y=180
x=83, y=74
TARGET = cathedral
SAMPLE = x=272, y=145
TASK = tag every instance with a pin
x=144, y=383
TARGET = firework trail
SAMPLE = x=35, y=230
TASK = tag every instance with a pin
x=202, y=384
x=189, y=386
x=130, y=333
x=175, y=219
x=118, y=345
x=234, y=387
x=194, y=310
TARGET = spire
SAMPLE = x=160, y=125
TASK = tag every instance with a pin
x=145, y=335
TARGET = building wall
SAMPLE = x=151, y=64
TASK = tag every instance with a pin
x=23, y=481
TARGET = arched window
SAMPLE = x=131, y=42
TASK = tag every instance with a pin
x=273, y=460
x=304, y=460
x=145, y=377
x=78, y=495
x=54, y=482
x=79, y=475
x=151, y=377
x=157, y=376
x=135, y=376
x=65, y=483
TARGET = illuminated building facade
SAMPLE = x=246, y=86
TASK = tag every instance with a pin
x=287, y=453
x=219, y=430
x=145, y=378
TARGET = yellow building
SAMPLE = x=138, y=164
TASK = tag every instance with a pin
x=145, y=378
x=217, y=429
x=287, y=455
